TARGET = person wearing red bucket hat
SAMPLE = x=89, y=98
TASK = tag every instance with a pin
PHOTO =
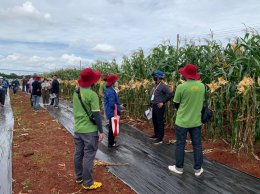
x=111, y=100
x=190, y=71
x=188, y=100
x=87, y=132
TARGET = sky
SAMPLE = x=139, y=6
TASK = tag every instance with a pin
x=42, y=36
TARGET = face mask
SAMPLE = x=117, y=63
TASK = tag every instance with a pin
x=116, y=84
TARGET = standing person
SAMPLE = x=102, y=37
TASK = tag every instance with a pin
x=110, y=100
x=101, y=92
x=5, y=85
x=45, y=92
x=160, y=96
x=31, y=80
x=36, y=93
x=28, y=86
x=2, y=91
x=24, y=82
x=87, y=134
x=55, y=89
x=15, y=84
x=188, y=100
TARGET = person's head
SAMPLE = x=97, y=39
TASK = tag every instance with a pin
x=37, y=78
x=158, y=76
x=190, y=71
x=34, y=75
x=88, y=77
x=111, y=80
x=45, y=79
x=1, y=78
x=55, y=76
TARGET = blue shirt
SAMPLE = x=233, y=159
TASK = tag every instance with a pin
x=110, y=99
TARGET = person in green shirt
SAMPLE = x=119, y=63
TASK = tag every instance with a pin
x=101, y=91
x=87, y=134
x=188, y=100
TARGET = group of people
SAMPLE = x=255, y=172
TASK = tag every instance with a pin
x=47, y=89
x=4, y=85
x=188, y=100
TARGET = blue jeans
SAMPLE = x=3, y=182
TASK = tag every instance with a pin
x=181, y=135
x=36, y=102
x=86, y=145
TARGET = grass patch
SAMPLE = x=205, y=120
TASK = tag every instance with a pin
x=26, y=185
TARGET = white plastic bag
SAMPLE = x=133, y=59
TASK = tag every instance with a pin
x=148, y=114
x=115, y=122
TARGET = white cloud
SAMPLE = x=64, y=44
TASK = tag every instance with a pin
x=62, y=33
x=26, y=10
x=105, y=48
x=35, y=59
x=12, y=57
x=74, y=60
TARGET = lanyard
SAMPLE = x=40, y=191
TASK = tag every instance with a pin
x=156, y=88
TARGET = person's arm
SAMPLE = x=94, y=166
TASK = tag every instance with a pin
x=177, y=98
x=97, y=118
x=168, y=94
x=94, y=104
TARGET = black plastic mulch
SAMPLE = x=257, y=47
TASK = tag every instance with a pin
x=6, y=136
x=144, y=166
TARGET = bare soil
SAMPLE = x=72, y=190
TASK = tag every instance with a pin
x=43, y=155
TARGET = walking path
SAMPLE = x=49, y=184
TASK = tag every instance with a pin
x=145, y=166
x=6, y=136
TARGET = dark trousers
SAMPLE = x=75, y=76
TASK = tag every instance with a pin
x=111, y=137
x=86, y=145
x=181, y=135
x=15, y=89
x=158, y=121
x=23, y=87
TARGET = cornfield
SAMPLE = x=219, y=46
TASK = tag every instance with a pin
x=231, y=72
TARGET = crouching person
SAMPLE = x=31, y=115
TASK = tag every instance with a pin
x=87, y=133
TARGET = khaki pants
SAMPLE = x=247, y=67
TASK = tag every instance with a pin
x=45, y=96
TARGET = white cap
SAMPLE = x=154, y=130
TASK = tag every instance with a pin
x=1, y=77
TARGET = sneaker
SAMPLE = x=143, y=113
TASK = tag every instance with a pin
x=79, y=180
x=152, y=137
x=174, y=169
x=56, y=106
x=199, y=172
x=157, y=142
x=95, y=185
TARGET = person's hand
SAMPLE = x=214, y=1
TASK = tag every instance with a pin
x=160, y=105
x=123, y=106
x=101, y=136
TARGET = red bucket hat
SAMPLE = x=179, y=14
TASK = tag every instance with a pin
x=88, y=77
x=190, y=71
x=37, y=78
x=111, y=79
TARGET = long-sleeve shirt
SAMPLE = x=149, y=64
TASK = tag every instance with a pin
x=110, y=100
x=162, y=93
x=36, y=85
x=55, y=87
